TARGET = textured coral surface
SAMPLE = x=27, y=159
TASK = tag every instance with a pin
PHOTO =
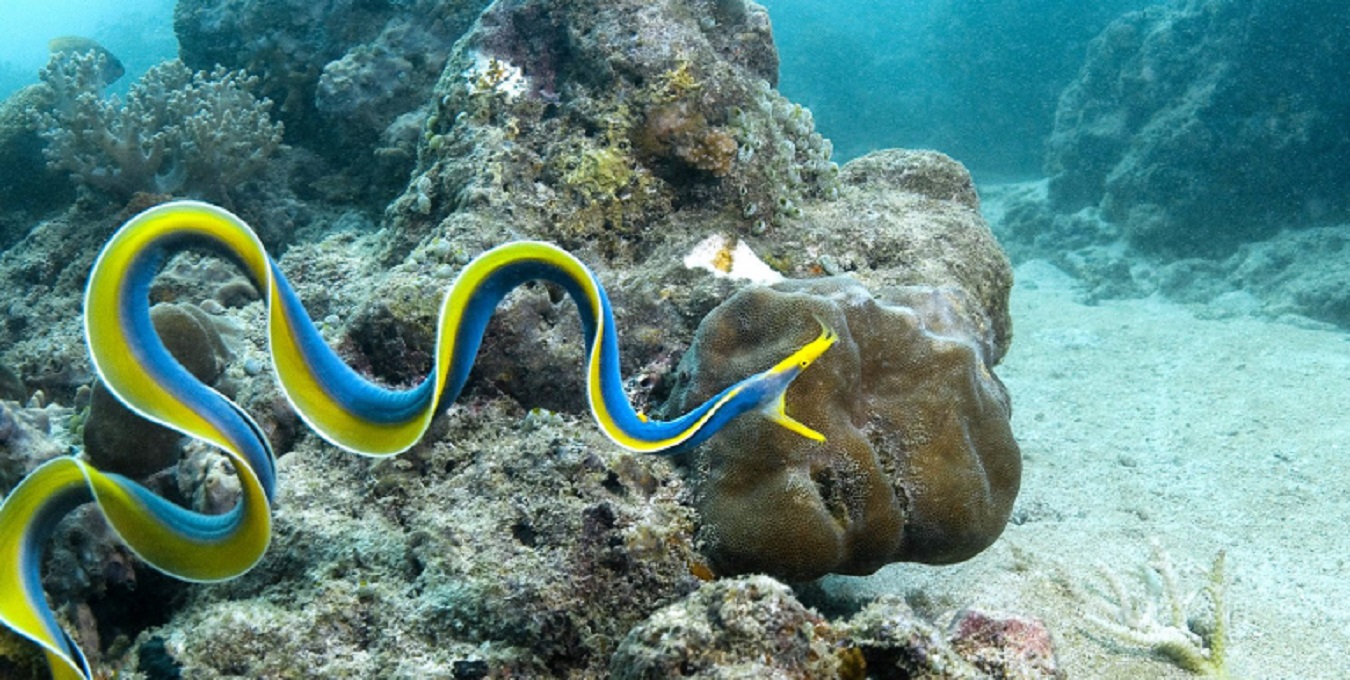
x=919, y=462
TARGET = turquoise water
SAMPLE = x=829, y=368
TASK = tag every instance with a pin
x=977, y=80
x=139, y=33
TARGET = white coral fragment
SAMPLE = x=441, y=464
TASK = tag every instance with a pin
x=732, y=259
x=1155, y=619
x=490, y=75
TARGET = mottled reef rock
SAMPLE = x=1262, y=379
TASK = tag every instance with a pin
x=351, y=79
x=510, y=540
x=753, y=627
x=910, y=218
x=30, y=435
x=1199, y=153
x=1160, y=128
x=1301, y=276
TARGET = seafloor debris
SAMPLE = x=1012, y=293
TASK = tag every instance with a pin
x=1158, y=617
x=753, y=627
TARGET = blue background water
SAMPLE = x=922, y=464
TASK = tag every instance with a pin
x=139, y=33
x=977, y=79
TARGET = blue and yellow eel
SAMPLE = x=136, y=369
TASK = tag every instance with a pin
x=337, y=402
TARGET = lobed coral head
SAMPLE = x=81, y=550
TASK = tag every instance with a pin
x=919, y=462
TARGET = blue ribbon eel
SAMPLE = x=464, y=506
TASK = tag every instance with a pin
x=342, y=406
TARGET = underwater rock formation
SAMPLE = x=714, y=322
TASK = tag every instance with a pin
x=918, y=463
x=514, y=539
x=590, y=122
x=1301, y=277
x=351, y=81
x=753, y=627
x=1153, y=186
x=605, y=127
x=509, y=542
x=907, y=218
x=27, y=187
x=29, y=436
x=1159, y=128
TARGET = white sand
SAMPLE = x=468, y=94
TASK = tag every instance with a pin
x=1140, y=422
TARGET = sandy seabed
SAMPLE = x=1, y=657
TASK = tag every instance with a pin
x=1143, y=425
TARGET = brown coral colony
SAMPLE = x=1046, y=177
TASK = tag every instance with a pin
x=677, y=131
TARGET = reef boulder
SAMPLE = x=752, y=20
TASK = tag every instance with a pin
x=919, y=462
x=349, y=77
x=1159, y=129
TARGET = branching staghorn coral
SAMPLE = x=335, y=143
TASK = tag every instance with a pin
x=178, y=132
x=1157, y=618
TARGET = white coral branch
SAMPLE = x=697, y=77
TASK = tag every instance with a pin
x=1155, y=618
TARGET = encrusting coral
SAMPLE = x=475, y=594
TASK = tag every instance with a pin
x=178, y=131
x=919, y=462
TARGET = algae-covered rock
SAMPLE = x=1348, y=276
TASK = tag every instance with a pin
x=919, y=462
x=1173, y=99
x=753, y=627
x=510, y=544
x=30, y=435
x=590, y=122
x=736, y=628
x=20, y=659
